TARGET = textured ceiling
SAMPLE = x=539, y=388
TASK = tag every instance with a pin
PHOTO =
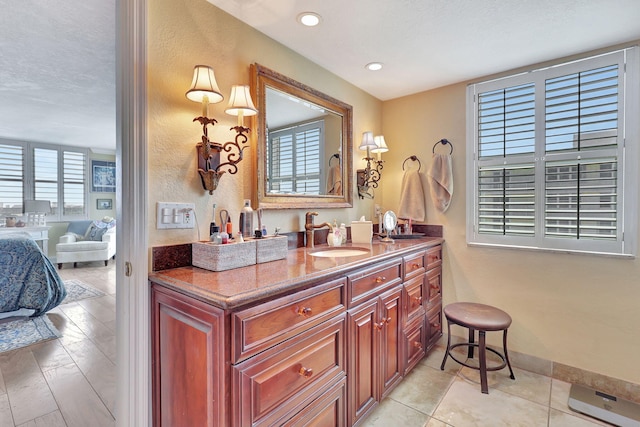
x=57, y=72
x=426, y=44
x=57, y=57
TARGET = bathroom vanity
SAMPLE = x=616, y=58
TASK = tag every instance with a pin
x=307, y=340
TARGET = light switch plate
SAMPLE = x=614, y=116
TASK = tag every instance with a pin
x=175, y=215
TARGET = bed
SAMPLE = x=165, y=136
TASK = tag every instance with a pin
x=29, y=283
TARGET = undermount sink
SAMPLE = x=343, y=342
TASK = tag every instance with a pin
x=339, y=252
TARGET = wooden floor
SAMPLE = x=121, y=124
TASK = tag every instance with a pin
x=70, y=381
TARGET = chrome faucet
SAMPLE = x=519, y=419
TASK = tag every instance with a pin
x=309, y=227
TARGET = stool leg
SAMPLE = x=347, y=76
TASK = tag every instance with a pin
x=446, y=352
x=472, y=339
x=506, y=354
x=482, y=350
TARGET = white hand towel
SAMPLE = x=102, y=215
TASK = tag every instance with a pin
x=441, y=181
x=412, y=203
x=334, y=180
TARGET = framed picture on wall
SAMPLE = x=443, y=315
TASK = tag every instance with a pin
x=104, y=204
x=103, y=176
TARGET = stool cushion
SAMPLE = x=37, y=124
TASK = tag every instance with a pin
x=477, y=316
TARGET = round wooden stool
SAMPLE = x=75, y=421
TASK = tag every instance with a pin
x=482, y=318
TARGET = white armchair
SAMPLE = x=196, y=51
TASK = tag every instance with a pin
x=97, y=243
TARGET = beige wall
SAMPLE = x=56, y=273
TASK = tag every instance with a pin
x=190, y=32
x=578, y=310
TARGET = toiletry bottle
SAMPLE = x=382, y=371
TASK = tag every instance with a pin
x=264, y=230
x=246, y=220
x=215, y=235
x=213, y=222
x=224, y=237
x=229, y=229
x=343, y=233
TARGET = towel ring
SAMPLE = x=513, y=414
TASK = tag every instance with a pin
x=337, y=156
x=443, y=142
x=415, y=159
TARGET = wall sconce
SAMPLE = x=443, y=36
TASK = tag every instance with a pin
x=372, y=173
x=204, y=89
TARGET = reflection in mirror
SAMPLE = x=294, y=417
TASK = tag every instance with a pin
x=304, y=144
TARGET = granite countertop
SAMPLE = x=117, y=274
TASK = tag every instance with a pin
x=241, y=286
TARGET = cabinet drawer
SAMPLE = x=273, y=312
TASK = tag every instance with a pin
x=434, y=326
x=434, y=257
x=263, y=326
x=415, y=343
x=434, y=287
x=279, y=380
x=364, y=284
x=328, y=410
x=414, y=294
x=414, y=265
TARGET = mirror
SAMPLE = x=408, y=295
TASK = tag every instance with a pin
x=389, y=221
x=304, y=144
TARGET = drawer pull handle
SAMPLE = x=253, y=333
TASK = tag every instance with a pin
x=380, y=279
x=418, y=299
x=387, y=320
x=304, y=311
x=305, y=372
x=417, y=344
x=415, y=266
x=379, y=326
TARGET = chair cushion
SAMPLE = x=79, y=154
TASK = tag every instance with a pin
x=87, y=245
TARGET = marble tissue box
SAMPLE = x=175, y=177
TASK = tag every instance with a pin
x=235, y=255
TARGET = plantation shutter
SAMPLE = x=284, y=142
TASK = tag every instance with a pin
x=295, y=154
x=549, y=157
x=506, y=187
x=11, y=181
x=74, y=179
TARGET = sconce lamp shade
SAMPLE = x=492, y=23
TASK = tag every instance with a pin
x=204, y=84
x=368, y=142
x=240, y=102
x=381, y=145
x=37, y=206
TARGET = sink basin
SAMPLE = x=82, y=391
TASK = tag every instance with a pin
x=340, y=252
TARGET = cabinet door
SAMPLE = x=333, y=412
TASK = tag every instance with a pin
x=188, y=365
x=363, y=337
x=434, y=287
x=434, y=326
x=391, y=336
x=415, y=343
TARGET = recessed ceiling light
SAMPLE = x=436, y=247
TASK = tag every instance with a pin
x=374, y=66
x=310, y=19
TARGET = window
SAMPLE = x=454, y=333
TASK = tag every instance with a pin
x=30, y=171
x=293, y=159
x=552, y=158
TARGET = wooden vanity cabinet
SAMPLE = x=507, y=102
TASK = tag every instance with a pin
x=434, y=296
x=374, y=337
x=190, y=379
x=325, y=355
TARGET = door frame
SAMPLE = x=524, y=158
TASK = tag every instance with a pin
x=133, y=367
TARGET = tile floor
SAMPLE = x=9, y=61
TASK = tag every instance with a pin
x=430, y=397
x=71, y=381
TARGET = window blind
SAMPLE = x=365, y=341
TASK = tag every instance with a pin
x=294, y=159
x=549, y=157
x=11, y=179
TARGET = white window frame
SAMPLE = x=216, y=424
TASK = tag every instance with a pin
x=28, y=177
x=626, y=150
